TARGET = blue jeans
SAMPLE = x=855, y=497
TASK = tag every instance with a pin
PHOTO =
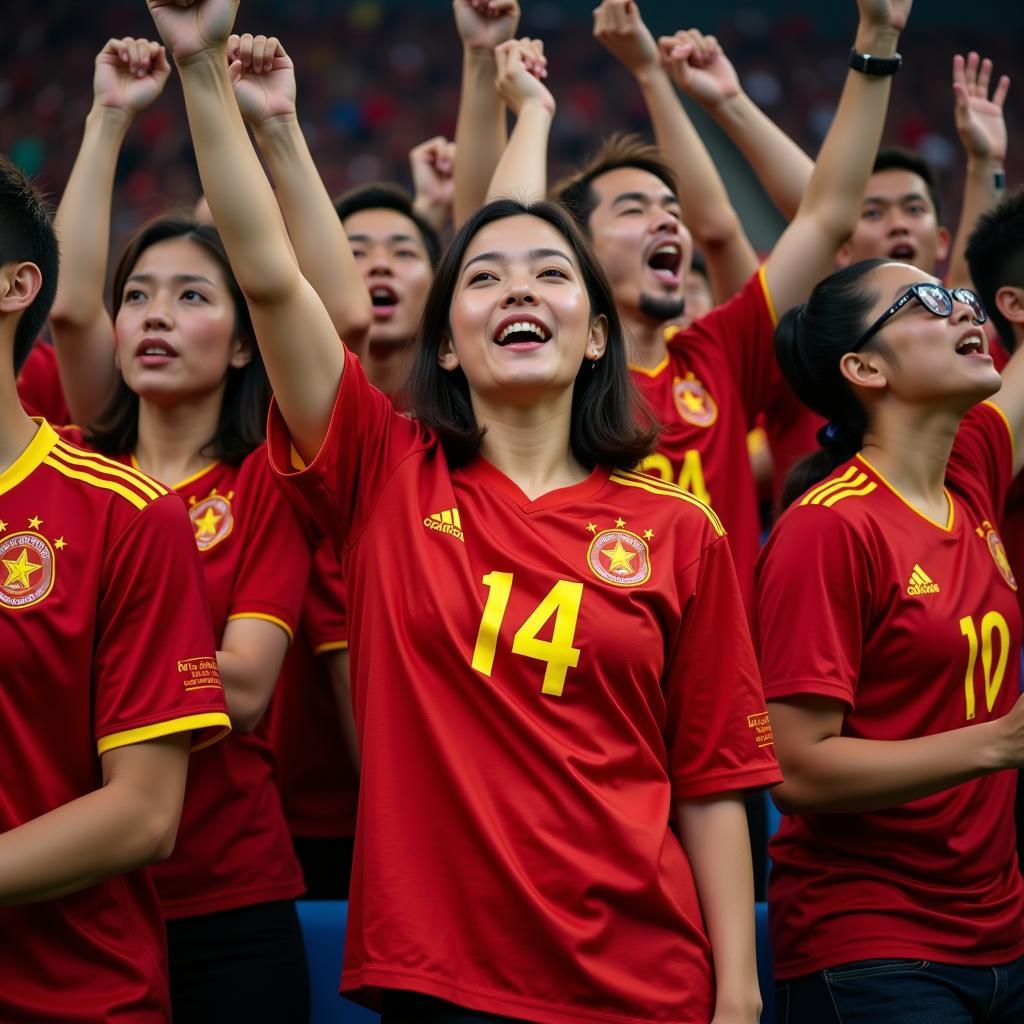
x=904, y=992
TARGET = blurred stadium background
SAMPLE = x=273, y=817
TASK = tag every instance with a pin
x=375, y=78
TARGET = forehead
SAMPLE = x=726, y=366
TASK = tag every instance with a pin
x=515, y=237
x=622, y=180
x=895, y=184
x=178, y=256
x=892, y=279
x=380, y=223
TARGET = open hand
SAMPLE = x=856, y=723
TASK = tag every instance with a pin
x=485, y=24
x=522, y=67
x=190, y=28
x=263, y=77
x=699, y=66
x=130, y=74
x=979, y=119
x=620, y=29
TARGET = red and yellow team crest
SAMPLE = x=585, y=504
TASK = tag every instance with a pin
x=693, y=403
x=28, y=569
x=212, y=520
x=619, y=556
x=998, y=553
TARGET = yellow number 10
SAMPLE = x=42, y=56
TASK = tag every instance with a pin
x=563, y=601
x=991, y=623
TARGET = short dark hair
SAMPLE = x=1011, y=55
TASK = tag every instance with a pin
x=27, y=236
x=385, y=196
x=610, y=425
x=995, y=254
x=243, y=415
x=576, y=192
x=894, y=158
x=810, y=340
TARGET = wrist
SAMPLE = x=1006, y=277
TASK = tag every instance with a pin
x=479, y=55
x=983, y=164
x=106, y=118
x=276, y=127
x=536, y=110
x=730, y=109
x=876, y=40
x=202, y=60
x=648, y=74
x=995, y=750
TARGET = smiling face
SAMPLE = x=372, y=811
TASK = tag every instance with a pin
x=520, y=316
x=175, y=329
x=396, y=268
x=640, y=242
x=921, y=357
x=897, y=222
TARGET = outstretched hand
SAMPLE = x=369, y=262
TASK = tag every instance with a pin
x=979, y=119
x=485, y=24
x=620, y=29
x=190, y=28
x=130, y=74
x=885, y=14
x=521, y=68
x=433, y=172
x=263, y=77
x=699, y=66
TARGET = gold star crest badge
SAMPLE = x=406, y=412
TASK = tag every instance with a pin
x=620, y=556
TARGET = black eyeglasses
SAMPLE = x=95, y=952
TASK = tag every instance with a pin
x=936, y=299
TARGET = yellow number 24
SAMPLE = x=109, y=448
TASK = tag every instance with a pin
x=563, y=601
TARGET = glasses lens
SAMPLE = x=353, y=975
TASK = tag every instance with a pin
x=935, y=299
x=968, y=297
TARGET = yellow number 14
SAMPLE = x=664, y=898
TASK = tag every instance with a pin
x=991, y=624
x=563, y=601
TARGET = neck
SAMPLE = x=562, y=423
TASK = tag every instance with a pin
x=911, y=447
x=16, y=427
x=530, y=444
x=646, y=339
x=387, y=365
x=172, y=437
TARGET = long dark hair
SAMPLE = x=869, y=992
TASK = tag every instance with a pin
x=610, y=425
x=810, y=340
x=243, y=412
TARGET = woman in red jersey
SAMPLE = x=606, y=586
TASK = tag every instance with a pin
x=895, y=892
x=107, y=669
x=190, y=408
x=537, y=681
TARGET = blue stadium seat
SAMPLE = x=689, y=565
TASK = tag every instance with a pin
x=764, y=964
x=323, y=930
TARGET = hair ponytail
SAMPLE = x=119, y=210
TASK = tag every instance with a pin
x=809, y=342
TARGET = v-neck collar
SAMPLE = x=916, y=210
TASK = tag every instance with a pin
x=494, y=477
x=38, y=448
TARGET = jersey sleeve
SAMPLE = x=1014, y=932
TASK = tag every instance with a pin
x=744, y=329
x=274, y=567
x=155, y=667
x=366, y=440
x=982, y=456
x=813, y=587
x=324, y=615
x=719, y=738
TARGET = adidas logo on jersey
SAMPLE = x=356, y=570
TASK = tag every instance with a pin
x=448, y=522
x=921, y=583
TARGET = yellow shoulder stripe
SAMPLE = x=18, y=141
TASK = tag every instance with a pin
x=96, y=481
x=99, y=464
x=1006, y=423
x=768, y=300
x=812, y=496
x=851, y=492
x=189, y=723
x=652, y=486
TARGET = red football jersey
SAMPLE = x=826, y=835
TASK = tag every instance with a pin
x=39, y=386
x=914, y=626
x=319, y=788
x=106, y=641
x=535, y=683
x=718, y=375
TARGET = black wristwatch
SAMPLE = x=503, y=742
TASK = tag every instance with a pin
x=868, y=65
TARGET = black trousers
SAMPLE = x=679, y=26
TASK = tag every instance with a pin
x=326, y=866
x=413, y=1008
x=246, y=964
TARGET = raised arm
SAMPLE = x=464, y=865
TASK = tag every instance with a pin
x=832, y=203
x=263, y=76
x=297, y=338
x=982, y=129
x=522, y=172
x=433, y=169
x=480, y=131
x=707, y=211
x=130, y=74
x=699, y=66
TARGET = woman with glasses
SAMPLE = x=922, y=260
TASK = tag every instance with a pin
x=895, y=893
